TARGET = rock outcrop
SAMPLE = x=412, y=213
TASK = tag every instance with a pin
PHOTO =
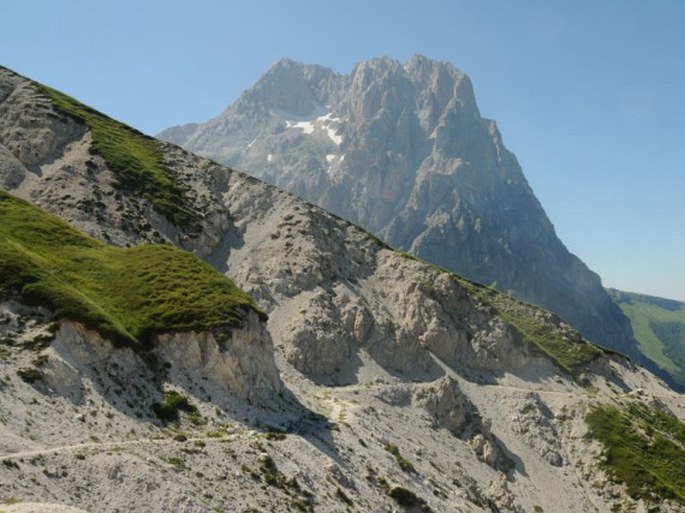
x=240, y=364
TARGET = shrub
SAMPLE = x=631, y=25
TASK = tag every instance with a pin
x=173, y=403
x=29, y=374
x=343, y=497
x=408, y=499
x=404, y=464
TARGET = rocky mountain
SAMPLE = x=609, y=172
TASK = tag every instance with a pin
x=403, y=151
x=356, y=378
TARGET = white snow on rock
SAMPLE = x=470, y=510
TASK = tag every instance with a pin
x=326, y=122
x=306, y=126
x=333, y=136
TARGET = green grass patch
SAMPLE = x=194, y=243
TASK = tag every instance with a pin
x=136, y=159
x=644, y=448
x=523, y=317
x=126, y=294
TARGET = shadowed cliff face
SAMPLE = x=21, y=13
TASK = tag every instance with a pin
x=403, y=151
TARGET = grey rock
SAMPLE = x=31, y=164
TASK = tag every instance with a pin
x=446, y=403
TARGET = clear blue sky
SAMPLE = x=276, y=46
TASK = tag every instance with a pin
x=588, y=94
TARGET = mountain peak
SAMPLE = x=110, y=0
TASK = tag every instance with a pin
x=288, y=86
x=285, y=63
x=418, y=61
x=403, y=151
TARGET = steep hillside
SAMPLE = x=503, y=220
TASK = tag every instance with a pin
x=403, y=151
x=397, y=385
x=659, y=326
x=126, y=294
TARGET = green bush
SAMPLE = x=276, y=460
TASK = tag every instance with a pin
x=29, y=374
x=174, y=403
x=408, y=499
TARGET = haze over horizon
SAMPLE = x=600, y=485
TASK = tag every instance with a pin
x=588, y=96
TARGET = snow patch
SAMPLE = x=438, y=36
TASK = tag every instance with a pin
x=329, y=123
x=306, y=126
x=329, y=158
x=269, y=157
x=323, y=123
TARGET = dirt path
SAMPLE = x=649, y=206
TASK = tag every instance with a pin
x=103, y=445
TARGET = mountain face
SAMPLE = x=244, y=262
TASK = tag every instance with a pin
x=403, y=151
x=359, y=379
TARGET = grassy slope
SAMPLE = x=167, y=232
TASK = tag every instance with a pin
x=126, y=294
x=644, y=448
x=135, y=158
x=655, y=322
x=522, y=316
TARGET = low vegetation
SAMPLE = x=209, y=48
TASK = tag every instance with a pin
x=29, y=374
x=301, y=499
x=403, y=462
x=523, y=318
x=408, y=499
x=644, y=448
x=126, y=294
x=169, y=409
x=135, y=158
